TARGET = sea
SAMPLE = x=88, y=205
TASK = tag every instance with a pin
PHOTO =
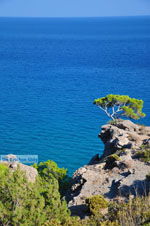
x=51, y=70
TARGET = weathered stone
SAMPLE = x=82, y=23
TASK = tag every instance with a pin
x=122, y=135
x=127, y=125
x=30, y=172
x=125, y=178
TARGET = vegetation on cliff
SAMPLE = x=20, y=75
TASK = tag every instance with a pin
x=121, y=175
x=116, y=106
x=132, y=213
x=39, y=203
x=26, y=203
x=37, y=198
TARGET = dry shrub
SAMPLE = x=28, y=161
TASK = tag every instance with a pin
x=135, y=212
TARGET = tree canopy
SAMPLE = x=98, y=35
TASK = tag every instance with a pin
x=117, y=106
x=25, y=203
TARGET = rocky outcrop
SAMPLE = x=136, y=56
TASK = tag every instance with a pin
x=123, y=134
x=30, y=172
x=118, y=174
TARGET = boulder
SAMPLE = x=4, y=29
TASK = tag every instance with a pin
x=30, y=172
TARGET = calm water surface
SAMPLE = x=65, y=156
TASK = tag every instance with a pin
x=50, y=72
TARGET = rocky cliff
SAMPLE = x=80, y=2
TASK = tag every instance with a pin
x=120, y=173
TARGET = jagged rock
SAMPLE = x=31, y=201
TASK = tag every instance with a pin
x=127, y=125
x=127, y=174
x=126, y=161
x=124, y=134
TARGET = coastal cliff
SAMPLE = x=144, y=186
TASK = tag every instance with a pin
x=120, y=173
x=104, y=192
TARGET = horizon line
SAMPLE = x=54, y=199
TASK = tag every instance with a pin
x=69, y=17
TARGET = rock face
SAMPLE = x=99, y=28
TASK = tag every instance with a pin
x=30, y=172
x=118, y=174
x=124, y=134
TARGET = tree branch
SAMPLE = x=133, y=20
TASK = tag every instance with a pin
x=115, y=113
x=106, y=111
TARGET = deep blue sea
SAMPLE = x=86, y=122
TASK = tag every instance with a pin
x=51, y=70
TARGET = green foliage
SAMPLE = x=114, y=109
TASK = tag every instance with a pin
x=39, y=203
x=50, y=169
x=24, y=203
x=50, y=177
x=96, y=203
x=135, y=212
x=20, y=201
x=109, y=223
x=116, y=106
x=114, y=157
x=71, y=221
x=144, y=153
x=3, y=169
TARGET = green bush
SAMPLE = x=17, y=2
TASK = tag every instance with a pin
x=49, y=170
x=109, y=223
x=50, y=177
x=24, y=203
x=136, y=212
x=39, y=203
x=20, y=201
x=3, y=169
x=96, y=203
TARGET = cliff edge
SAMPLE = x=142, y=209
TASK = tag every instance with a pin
x=120, y=173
